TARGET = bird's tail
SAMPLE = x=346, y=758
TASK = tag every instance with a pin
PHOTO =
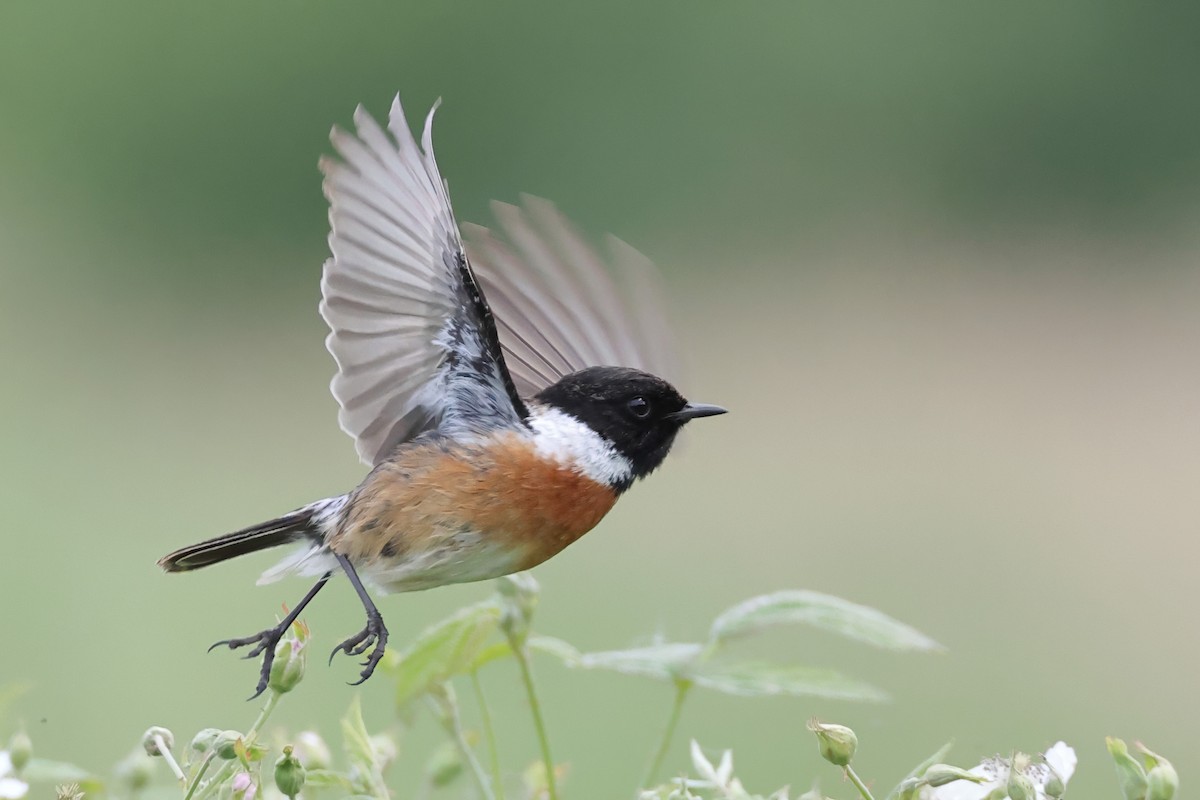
x=309, y=523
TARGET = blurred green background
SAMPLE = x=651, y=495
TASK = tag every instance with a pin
x=940, y=261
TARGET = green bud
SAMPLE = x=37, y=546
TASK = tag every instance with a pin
x=836, y=743
x=1020, y=787
x=203, y=741
x=226, y=743
x=312, y=750
x=445, y=765
x=135, y=771
x=909, y=788
x=1054, y=788
x=20, y=750
x=153, y=737
x=519, y=594
x=289, y=773
x=1162, y=781
x=291, y=656
x=941, y=774
x=1130, y=773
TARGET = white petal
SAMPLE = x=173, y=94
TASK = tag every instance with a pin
x=964, y=790
x=12, y=789
x=701, y=764
x=5, y=763
x=1062, y=758
x=725, y=768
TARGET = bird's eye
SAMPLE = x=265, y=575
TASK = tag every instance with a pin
x=639, y=407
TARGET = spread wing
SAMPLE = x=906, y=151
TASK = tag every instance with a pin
x=560, y=306
x=415, y=344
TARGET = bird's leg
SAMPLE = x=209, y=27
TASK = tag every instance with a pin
x=375, y=633
x=264, y=641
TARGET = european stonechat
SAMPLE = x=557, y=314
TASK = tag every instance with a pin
x=494, y=441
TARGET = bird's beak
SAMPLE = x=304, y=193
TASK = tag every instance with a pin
x=693, y=410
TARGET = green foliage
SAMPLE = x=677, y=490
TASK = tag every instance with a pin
x=452, y=647
x=229, y=764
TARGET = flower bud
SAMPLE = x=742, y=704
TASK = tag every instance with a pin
x=1130, y=773
x=291, y=655
x=243, y=786
x=312, y=750
x=1055, y=786
x=225, y=745
x=941, y=774
x=1162, y=781
x=519, y=597
x=156, y=736
x=20, y=750
x=289, y=773
x=836, y=743
x=203, y=741
x=1020, y=787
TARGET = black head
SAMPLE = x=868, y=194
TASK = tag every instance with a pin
x=636, y=411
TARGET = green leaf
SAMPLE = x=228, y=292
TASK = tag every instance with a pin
x=355, y=738
x=919, y=770
x=563, y=651
x=669, y=661
x=758, y=679
x=493, y=652
x=451, y=647
x=43, y=770
x=833, y=614
x=325, y=779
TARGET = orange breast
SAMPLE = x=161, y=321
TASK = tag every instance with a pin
x=430, y=495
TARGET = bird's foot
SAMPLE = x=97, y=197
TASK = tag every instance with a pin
x=264, y=644
x=374, y=634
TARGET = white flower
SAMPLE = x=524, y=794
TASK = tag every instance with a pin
x=1061, y=758
x=10, y=788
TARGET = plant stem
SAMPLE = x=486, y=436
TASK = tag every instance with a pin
x=489, y=734
x=268, y=707
x=200, y=774
x=447, y=707
x=858, y=784
x=522, y=655
x=681, y=692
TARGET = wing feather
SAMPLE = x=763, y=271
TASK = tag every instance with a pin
x=560, y=306
x=409, y=328
x=417, y=346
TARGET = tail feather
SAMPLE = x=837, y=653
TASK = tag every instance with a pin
x=303, y=523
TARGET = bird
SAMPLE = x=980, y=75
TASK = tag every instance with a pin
x=504, y=394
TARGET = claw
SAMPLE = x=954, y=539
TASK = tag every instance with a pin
x=264, y=644
x=375, y=635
